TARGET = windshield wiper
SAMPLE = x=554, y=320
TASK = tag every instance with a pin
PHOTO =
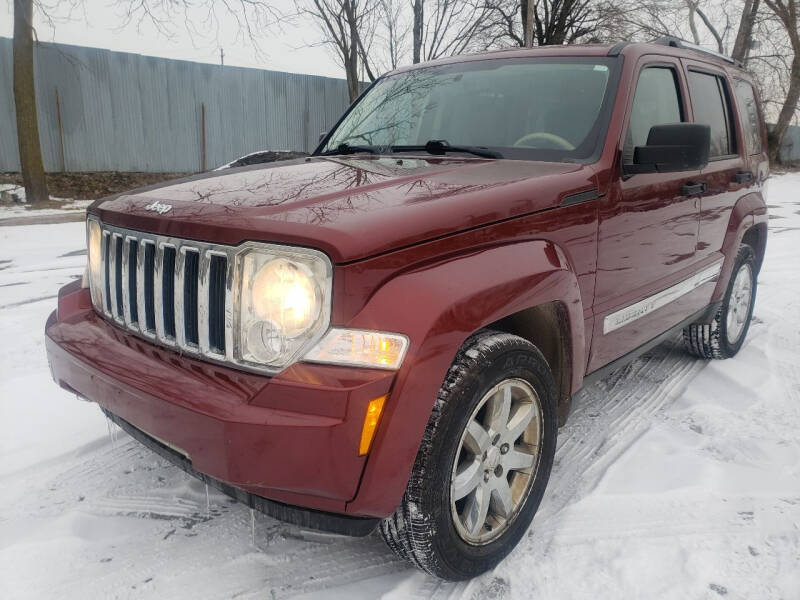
x=441, y=147
x=349, y=149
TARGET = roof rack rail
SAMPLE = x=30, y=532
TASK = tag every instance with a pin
x=679, y=43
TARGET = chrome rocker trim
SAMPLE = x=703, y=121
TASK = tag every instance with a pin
x=629, y=314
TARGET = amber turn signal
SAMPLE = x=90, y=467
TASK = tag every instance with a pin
x=374, y=411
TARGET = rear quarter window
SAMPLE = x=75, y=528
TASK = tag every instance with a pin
x=712, y=107
x=748, y=116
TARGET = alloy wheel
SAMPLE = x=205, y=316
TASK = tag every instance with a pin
x=496, y=461
x=739, y=303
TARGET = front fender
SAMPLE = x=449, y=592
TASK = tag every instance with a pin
x=438, y=306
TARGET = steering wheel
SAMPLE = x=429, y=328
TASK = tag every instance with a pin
x=559, y=142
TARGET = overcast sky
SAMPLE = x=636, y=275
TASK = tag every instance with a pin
x=97, y=23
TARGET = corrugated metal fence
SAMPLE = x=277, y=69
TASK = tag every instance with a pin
x=127, y=112
x=790, y=148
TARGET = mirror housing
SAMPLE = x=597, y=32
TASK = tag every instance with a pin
x=321, y=136
x=672, y=148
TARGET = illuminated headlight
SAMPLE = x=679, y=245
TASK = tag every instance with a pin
x=284, y=303
x=359, y=348
x=94, y=268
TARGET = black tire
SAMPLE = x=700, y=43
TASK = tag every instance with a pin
x=422, y=530
x=713, y=340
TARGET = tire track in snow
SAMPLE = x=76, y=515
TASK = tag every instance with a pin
x=322, y=566
x=124, y=479
x=610, y=415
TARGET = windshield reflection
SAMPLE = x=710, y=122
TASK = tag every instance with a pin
x=541, y=109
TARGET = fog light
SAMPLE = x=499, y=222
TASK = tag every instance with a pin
x=374, y=410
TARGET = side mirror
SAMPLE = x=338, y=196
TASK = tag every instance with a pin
x=322, y=136
x=672, y=148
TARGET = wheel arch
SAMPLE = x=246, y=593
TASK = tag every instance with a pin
x=756, y=237
x=547, y=326
x=748, y=218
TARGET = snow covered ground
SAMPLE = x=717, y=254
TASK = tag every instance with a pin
x=18, y=207
x=674, y=478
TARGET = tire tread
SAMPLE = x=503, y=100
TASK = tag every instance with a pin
x=705, y=340
x=408, y=532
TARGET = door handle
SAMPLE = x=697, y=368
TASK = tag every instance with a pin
x=693, y=189
x=744, y=177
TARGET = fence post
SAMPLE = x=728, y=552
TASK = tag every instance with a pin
x=60, y=132
x=203, y=136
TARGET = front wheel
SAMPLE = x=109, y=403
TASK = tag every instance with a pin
x=724, y=336
x=484, y=461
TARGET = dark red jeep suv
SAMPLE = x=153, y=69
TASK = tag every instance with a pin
x=387, y=334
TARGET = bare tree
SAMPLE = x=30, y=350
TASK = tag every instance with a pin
x=385, y=43
x=547, y=22
x=452, y=27
x=656, y=18
x=712, y=28
x=744, y=36
x=786, y=12
x=342, y=23
x=199, y=18
x=526, y=10
x=419, y=13
x=30, y=151
x=396, y=30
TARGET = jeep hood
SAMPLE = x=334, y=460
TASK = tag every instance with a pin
x=348, y=207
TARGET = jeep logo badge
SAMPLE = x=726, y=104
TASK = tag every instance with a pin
x=158, y=207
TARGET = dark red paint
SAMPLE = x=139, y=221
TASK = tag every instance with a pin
x=432, y=247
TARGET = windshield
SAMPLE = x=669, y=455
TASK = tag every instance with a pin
x=541, y=109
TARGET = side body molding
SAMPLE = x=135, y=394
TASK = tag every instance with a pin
x=438, y=306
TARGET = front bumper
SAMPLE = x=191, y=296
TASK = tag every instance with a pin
x=292, y=438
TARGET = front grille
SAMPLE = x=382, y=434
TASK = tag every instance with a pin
x=172, y=291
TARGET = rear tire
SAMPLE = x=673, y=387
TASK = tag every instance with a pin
x=725, y=334
x=471, y=497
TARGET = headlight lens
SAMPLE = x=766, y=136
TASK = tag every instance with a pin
x=284, y=304
x=284, y=292
x=94, y=242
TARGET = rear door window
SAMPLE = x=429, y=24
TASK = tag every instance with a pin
x=656, y=102
x=712, y=107
x=748, y=115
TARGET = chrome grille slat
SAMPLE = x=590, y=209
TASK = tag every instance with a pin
x=142, y=325
x=140, y=288
x=202, y=303
x=191, y=260
x=168, y=296
x=132, y=283
x=126, y=305
x=217, y=308
x=157, y=290
x=119, y=242
x=177, y=295
x=112, y=274
x=229, y=313
x=104, y=259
